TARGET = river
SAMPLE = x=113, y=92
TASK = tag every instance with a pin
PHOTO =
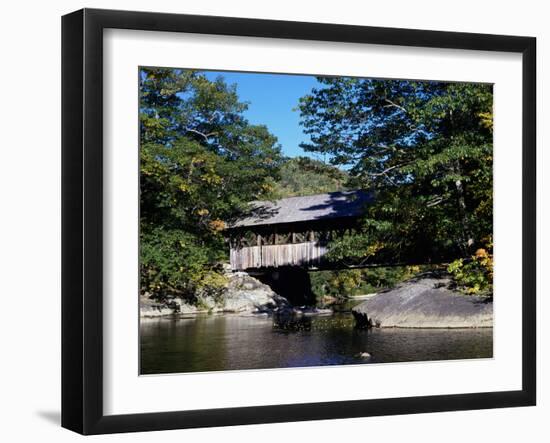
x=234, y=342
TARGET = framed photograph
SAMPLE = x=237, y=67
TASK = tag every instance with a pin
x=268, y=221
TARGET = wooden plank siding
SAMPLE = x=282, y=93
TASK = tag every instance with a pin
x=272, y=256
x=293, y=231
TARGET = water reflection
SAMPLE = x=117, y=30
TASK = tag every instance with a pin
x=230, y=342
x=291, y=323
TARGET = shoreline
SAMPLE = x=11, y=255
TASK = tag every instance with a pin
x=425, y=302
x=267, y=316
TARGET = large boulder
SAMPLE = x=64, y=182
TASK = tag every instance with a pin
x=151, y=308
x=245, y=293
x=424, y=302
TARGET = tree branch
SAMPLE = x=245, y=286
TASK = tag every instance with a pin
x=385, y=171
x=393, y=104
x=434, y=202
x=202, y=134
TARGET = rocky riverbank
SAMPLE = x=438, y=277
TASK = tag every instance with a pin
x=243, y=294
x=424, y=302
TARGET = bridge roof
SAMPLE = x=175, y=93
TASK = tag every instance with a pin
x=306, y=208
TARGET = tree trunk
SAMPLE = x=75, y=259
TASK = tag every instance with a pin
x=467, y=238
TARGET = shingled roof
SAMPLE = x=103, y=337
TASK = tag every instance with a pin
x=306, y=208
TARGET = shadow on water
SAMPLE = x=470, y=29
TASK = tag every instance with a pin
x=289, y=322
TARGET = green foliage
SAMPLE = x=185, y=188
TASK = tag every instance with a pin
x=175, y=262
x=423, y=148
x=305, y=176
x=475, y=274
x=201, y=162
x=345, y=283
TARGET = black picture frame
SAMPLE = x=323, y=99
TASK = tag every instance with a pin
x=82, y=218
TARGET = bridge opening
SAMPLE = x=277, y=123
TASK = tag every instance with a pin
x=290, y=282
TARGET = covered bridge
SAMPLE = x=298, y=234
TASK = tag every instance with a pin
x=293, y=231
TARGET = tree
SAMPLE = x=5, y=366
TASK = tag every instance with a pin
x=201, y=161
x=424, y=148
x=305, y=176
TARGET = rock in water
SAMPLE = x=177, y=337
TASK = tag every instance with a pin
x=151, y=308
x=425, y=302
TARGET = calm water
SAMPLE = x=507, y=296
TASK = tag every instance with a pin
x=225, y=342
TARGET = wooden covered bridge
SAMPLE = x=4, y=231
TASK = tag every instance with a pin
x=293, y=231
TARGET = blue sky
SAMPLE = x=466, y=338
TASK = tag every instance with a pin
x=272, y=98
